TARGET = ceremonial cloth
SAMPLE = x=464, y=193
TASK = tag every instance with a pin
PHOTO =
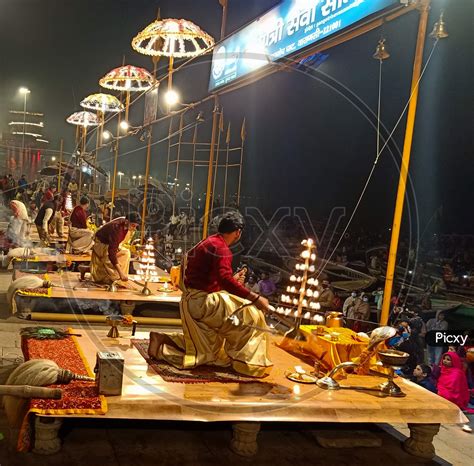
x=78, y=397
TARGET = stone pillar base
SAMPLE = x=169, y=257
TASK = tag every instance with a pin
x=46, y=440
x=420, y=442
x=244, y=440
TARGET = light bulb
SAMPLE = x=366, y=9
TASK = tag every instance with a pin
x=124, y=125
x=293, y=278
x=171, y=97
x=307, y=315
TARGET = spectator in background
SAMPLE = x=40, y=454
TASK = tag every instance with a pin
x=422, y=376
x=326, y=296
x=378, y=296
x=452, y=381
x=22, y=183
x=266, y=286
x=437, y=323
x=73, y=188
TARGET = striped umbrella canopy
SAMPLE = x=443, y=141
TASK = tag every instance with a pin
x=177, y=38
x=128, y=78
x=102, y=103
x=83, y=118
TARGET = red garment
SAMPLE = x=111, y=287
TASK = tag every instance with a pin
x=113, y=233
x=452, y=382
x=78, y=217
x=209, y=268
x=48, y=195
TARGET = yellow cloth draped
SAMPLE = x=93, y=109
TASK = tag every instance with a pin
x=102, y=270
x=348, y=347
x=210, y=338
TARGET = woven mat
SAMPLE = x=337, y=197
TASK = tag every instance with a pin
x=201, y=374
x=78, y=397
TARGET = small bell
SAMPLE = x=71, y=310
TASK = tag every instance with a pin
x=439, y=29
x=381, y=52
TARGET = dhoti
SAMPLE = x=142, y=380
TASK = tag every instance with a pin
x=80, y=240
x=210, y=338
x=102, y=270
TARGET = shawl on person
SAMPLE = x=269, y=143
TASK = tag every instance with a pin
x=452, y=382
x=19, y=210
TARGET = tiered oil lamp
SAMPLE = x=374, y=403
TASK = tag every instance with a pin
x=147, y=269
x=300, y=299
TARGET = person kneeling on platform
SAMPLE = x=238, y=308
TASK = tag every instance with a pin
x=211, y=294
x=45, y=216
x=109, y=261
x=81, y=239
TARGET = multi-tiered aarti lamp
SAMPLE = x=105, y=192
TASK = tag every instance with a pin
x=300, y=299
x=147, y=271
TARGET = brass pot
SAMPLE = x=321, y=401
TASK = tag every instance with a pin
x=334, y=319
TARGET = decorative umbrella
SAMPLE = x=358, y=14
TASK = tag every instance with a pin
x=102, y=103
x=128, y=79
x=172, y=38
x=84, y=120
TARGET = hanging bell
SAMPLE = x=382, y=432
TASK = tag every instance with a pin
x=439, y=29
x=381, y=52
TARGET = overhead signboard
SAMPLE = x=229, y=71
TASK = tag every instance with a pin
x=287, y=28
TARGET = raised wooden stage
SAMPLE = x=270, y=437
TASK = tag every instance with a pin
x=145, y=395
x=70, y=295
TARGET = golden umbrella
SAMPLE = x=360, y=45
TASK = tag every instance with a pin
x=126, y=78
x=172, y=38
x=102, y=103
x=82, y=120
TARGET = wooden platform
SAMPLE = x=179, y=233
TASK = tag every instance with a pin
x=68, y=285
x=145, y=395
x=49, y=262
x=69, y=297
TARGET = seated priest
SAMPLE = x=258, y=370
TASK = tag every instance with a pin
x=81, y=238
x=110, y=261
x=211, y=294
x=45, y=217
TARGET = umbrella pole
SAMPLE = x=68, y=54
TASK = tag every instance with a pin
x=147, y=166
x=127, y=105
x=61, y=145
x=176, y=173
x=397, y=218
x=205, y=223
x=226, y=172
x=83, y=149
x=114, y=175
x=145, y=191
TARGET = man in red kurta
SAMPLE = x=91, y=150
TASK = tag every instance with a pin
x=211, y=294
x=81, y=239
x=110, y=262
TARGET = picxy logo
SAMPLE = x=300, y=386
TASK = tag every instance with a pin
x=446, y=338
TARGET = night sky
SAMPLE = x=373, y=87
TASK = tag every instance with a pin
x=307, y=145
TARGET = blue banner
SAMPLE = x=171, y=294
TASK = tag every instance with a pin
x=287, y=28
